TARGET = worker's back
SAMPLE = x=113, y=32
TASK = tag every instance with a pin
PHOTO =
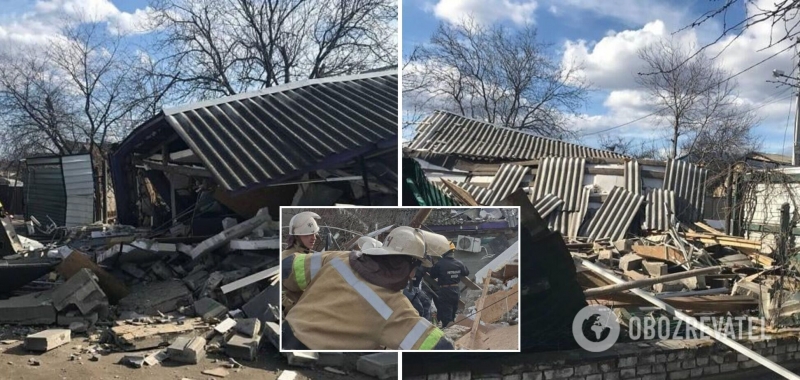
x=341, y=310
x=448, y=271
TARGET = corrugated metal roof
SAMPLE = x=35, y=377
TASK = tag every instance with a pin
x=547, y=205
x=688, y=182
x=507, y=180
x=563, y=177
x=448, y=133
x=658, y=208
x=633, y=177
x=266, y=136
x=615, y=216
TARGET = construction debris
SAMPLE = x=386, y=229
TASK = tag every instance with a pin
x=47, y=340
x=187, y=350
x=381, y=365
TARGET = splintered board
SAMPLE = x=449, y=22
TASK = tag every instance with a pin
x=499, y=303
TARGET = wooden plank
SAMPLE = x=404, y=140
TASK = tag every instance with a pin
x=473, y=334
x=695, y=303
x=500, y=303
x=460, y=194
x=470, y=284
x=510, y=271
x=709, y=229
x=661, y=253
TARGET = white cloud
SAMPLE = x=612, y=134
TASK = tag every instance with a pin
x=631, y=12
x=486, y=11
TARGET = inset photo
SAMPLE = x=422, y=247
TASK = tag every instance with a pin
x=371, y=278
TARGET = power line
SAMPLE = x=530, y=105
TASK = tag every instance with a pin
x=704, y=90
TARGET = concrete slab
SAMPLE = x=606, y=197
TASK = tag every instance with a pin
x=216, y=372
x=186, y=350
x=83, y=291
x=30, y=309
x=196, y=280
x=242, y=347
x=655, y=268
x=161, y=296
x=249, y=327
x=302, y=359
x=47, y=340
x=209, y=309
x=273, y=334
x=630, y=261
x=225, y=325
x=258, y=307
x=381, y=365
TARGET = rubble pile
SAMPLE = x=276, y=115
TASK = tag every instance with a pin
x=177, y=298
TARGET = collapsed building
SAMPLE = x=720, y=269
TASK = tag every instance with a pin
x=630, y=235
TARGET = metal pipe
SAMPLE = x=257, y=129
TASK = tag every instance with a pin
x=616, y=288
x=695, y=323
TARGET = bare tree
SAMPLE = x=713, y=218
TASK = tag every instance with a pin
x=630, y=147
x=496, y=74
x=224, y=47
x=693, y=94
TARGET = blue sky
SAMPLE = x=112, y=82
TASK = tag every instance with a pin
x=604, y=36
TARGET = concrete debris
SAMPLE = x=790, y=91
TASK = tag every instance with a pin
x=187, y=350
x=225, y=325
x=47, y=340
x=259, y=306
x=34, y=362
x=226, y=236
x=381, y=365
x=216, y=372
x=82, y=291
x=133, y=361
x=273, y=333
x=30, y=309
x=132, y=337
x=163, y=296
x=303, y=359
x=242, y=347
x=209, y=309
x=334, y=370
x=250, y=327
x=78, y=327
x=289, y=375
x=156, y=358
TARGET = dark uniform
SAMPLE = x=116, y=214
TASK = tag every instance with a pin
x=419, y=300
x=448, y=272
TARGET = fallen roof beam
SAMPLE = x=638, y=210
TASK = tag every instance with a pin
x=695, y=323
x=620, y=287
x=719, y=303
x=192, y=171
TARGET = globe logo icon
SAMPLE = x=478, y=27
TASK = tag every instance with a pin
x=595, y=328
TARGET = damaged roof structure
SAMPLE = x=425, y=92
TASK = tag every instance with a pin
x=322, y=141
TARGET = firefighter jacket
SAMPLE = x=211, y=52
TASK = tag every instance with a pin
x=289, y=298
x=448, y=271
x=341, y=310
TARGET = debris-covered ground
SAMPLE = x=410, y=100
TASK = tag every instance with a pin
x=111, y=301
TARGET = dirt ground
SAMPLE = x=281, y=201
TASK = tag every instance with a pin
x=56, y=365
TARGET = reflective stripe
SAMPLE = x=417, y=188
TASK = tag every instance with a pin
x=316, y=263
x=299, y=267
x=363, y=289
x=414, y=335
x=430, y=342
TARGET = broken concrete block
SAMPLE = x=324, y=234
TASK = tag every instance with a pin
x=249, y=327
x=672, y=286
x=209, y=309
x=624, y=245
x=161, y=270
x=224, y=237
x=381, y=365
x=258, y=307
x=694, y=283
x=112, y=287
x=217, y=372
x=333, y=359
x=302, y=359
x=289, y=375
x=156, y=357
x=630, y=261
x=132, y=337
x=196, y=280
x=655, y=268
x=133, y=361
x=225, y=325
x=78, y=327
x=83, y=291
x=187, y=350
x=47, y=340
x=211, y=284
x=30, y=309
x=163, y=296
x=242, y=347
x=71, y=317
x=273, y=333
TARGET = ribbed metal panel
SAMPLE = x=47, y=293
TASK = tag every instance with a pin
x=615, y=216
x=262, y=137
x=79, y=186
x=479, y=193
x=688, y=182
x=547, y=205
x=45, y=195
x=448, y=133
x=633, y=177
x=507, y=179
x=562, y=177
x=659, y=206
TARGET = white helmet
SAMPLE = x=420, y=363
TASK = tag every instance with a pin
x=366, y=242
x=412, y=242
x=304, y=224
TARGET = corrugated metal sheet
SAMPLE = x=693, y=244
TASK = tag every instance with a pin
x=562, y=177
x=633, y=177
x=688, y=182
x=615, y=216
x=507, y=180
x=479, y=193
x=264, y=137
x=79, y=186
x=448, y=133
x=418, y=191
x=45, y=195
x=658, y=208
x=547, y=205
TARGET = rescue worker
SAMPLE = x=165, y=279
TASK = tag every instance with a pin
x=436, y=245
x=448, y=272
x=354, y=300
x=366, y=242
x=303, y=230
